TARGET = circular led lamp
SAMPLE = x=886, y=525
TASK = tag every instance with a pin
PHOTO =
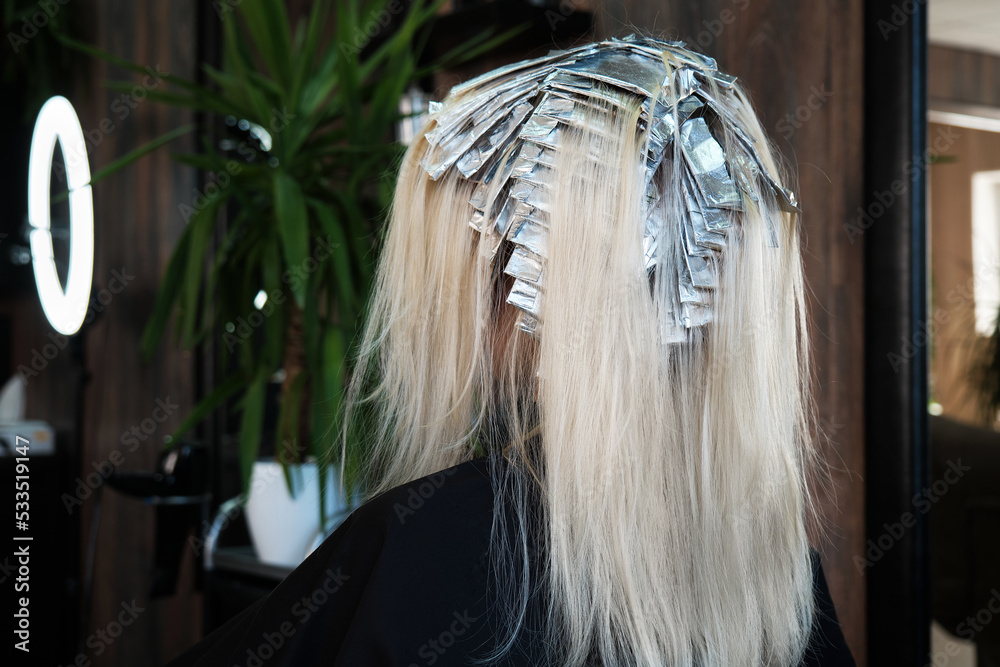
x=64, y=308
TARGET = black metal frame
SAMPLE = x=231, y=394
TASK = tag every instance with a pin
x=895, y=288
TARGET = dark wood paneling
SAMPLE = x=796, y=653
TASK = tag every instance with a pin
x=802, y=62
x=137, y=224
x=963, y=77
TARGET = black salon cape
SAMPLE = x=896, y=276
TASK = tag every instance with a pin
x=404, y=582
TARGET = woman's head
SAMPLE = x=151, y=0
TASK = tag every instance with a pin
x=596, y=244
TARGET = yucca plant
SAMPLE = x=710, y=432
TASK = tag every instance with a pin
x=304, y=171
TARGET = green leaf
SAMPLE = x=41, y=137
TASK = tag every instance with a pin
x=348, y=74
x=239, y=68
x=312, y=323
x=251, y=425
x=129, y=158
x=166, y=298
x=203, y=223
x=326, y=390
x=221, y=392
x=250, y=358
x=275, y=322
x=267, y=23
x=198, y=101
x=308, y=52
x=223, y=255
x=420, y=14
x=341, y=259
x=288, y=413
x=118, y=61
x=293, y=227
x=209, y=161
x=316, y=90
x=334, y=354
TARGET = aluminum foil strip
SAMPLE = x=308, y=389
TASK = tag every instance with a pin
x=542, y=131
x=684, y=83
x=720, y=79
x=678, y=55
x=524, y=265
x=504, y=129
x=576, y=118
x=631, y=72
x=618, y=99
x=672, y=329
x=468, y=116
x=524, y=211
x=532, y=172
x=701, y=272
x=473, y=160
x=537, y=153
x=650, y=199
x=787, y=200
x=745, y=173
x=702, y=234
x=457, y=118
x=533, y=235
x=502, y=224
x=523, y=162
x=533, y=194
x=501, y=169
x=451, y=146
x=555, y=106
x=525, y=295
x=660, y=135
x=691, y=246
x=583, y=90
x=676, y=50
x=649, y=248
x=527, y=323
x=726, y=115
x=694, y=315
x=534, y=161
x=686, y=108
x=521, y=189
x=685, y=286
x=498, y=229
x=708, y=165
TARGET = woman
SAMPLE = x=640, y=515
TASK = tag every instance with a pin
x=583, y=386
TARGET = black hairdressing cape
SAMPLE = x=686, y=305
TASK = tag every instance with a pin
x=404, y=582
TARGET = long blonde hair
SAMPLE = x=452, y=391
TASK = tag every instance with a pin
x=672, y=478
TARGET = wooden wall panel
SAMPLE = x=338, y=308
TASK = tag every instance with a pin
x=802, y=62
x=963, y=77
x=137, y=224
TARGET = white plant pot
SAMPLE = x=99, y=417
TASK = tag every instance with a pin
x=285, y=530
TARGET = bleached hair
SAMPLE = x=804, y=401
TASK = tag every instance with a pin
x=672, y=480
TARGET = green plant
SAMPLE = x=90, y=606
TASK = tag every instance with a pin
x=302, y=200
